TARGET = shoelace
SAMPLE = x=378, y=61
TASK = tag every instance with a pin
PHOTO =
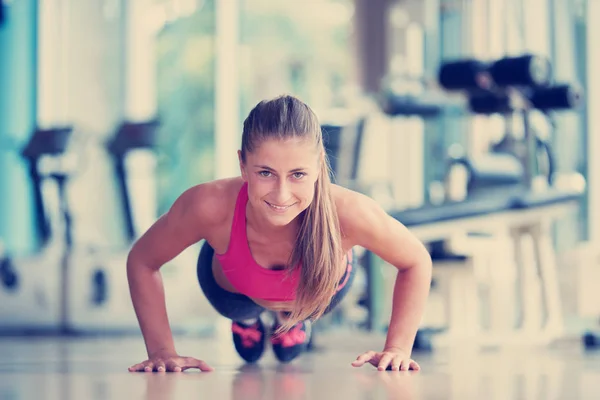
x=250, y=335
x=291, y=338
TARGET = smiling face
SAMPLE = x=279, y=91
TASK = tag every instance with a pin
x=281, y=176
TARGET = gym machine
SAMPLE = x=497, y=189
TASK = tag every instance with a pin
x=514, y=87
x=102, y=303
x=131, y=137
x=97, y=285
x=63, y=288
x=33, y=295
x=70, y=287
x=520, y=170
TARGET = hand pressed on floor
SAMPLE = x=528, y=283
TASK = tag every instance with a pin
x=170, y=362
x=389, y=359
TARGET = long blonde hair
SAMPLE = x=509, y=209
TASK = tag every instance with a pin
x=318, y=244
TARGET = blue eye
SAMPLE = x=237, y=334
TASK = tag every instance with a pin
x=299, y=175
x=266, y=174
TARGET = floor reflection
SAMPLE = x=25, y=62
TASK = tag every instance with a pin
x=98, y=371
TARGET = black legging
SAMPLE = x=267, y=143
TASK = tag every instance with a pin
x=239, y=307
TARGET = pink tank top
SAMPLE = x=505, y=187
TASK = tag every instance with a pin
x=245, y=274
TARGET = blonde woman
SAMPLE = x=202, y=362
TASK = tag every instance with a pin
x=279, y=237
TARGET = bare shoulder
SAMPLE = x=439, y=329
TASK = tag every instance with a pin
x=365, y=223
x=198, y=213
x=356, y=211
x=211, y=202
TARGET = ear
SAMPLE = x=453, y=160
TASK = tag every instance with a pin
x=242, y=166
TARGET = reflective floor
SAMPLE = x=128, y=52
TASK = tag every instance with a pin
x=96, y=369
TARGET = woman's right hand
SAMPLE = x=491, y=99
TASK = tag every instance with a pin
x=170, y=362
x=190, y=219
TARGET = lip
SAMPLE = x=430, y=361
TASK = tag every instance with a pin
x=278, y=208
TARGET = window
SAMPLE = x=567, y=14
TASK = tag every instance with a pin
x=186, y=97
x=302, y=48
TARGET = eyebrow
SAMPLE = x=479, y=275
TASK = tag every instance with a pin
x=271, y=169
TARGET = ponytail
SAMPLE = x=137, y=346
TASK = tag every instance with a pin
x=319, y=249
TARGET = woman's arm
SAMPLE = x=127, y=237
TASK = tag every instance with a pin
x=189, y=220
x=369, y=226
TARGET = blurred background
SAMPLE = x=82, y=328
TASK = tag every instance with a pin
x=472, y=122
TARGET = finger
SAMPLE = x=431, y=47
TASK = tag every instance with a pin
x=160, y=366
x=405, y=365
x=149, y=366
x=396, y=364
x=136, y=367
x=173, y=366
x=195, y=363
x=205, y=367
x=384, y=361
x=202, y=366
x=366, y=356
x=415, y=366
x=363, y=358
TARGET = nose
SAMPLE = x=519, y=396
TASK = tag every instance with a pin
x=282, y=192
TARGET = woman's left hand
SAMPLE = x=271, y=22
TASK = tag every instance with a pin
x=390, y=358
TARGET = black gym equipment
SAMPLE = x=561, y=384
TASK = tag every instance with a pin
x=409, y=105
x=130, y=136
x=46, y=156
x=500, y=170
x=343, y=135
x=559, y=97
x=407, y=96
x=591, y=340
x=8, y=274
x=49, y=158
x=48, y=143
x=53, y=143
x=476, y=75
x=511, y=87
x=491, y=87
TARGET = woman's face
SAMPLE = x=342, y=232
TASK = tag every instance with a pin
x=281, y=176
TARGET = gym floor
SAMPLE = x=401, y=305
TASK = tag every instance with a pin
x=96, y=368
